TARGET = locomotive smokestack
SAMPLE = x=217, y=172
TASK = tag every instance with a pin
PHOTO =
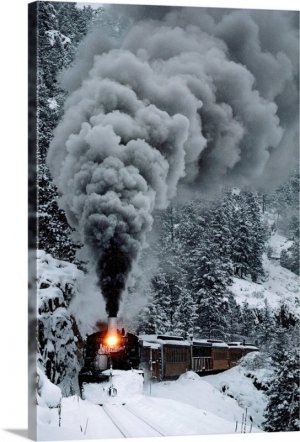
x=112, y=340
x=112, y=325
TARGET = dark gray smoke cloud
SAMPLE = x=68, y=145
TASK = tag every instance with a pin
x=188, y=98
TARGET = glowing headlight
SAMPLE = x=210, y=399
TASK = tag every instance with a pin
x=111, y=341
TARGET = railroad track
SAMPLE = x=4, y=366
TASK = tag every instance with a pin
x=129, y=423
x=146, y=421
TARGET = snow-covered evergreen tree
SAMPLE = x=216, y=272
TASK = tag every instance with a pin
x=235, y=320
x=285, y=202
x=290, y=259
x=220, y=227
x=282, y=412
x=58, y=35
x=248, y=235
x=249, y=320
x=185, y=315
x=257, y=234
x=266, y=328
x=162, y=303
x=170, y=281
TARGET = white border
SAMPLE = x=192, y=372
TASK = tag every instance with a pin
x=13, y=185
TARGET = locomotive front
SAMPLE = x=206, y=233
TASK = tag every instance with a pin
x=106, y=350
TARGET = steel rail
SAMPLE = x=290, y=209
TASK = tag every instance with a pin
x=144, y=420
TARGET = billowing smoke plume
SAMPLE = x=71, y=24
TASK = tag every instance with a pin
x=188, y=97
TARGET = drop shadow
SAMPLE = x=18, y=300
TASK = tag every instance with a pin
x=18, y=432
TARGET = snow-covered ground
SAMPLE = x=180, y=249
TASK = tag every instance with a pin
x=188, y=406
x=280, y=284
x=277, y=243
x=238, y=383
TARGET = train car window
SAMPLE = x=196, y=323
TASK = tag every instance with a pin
x=175, y=355
x=201, y=352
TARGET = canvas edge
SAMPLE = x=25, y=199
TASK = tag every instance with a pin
x=32, y=217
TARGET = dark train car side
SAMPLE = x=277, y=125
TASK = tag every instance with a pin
x=210, y=356
x=237, y=350
x=165, y=357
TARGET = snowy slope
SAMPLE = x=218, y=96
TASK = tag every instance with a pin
x=280, y=285
x=238, y=383
x=197, y=392
x=277, y=243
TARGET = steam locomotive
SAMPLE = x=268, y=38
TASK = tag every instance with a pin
x=108, y=348
x=159, y=356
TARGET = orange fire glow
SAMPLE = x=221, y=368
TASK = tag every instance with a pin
x=112, y=340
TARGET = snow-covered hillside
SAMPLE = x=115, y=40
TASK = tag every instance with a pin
x=279, y=285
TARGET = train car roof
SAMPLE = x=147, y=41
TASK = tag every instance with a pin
x=152, y=345
x=220, y=344
x=209, y=343
x=170, y=338
x=164, y=340
x=241, y=345
x=202, y=343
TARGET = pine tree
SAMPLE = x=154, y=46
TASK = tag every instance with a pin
x=170, y=279
x=220, y=227
x=235, y=320
x=257, y=234
x=58, y=36
x=147, y=319
x=241, y=246
x=163, y=303
x=282, y=411
x=210, y=281
x=266, y=328
x=290, y=259
x=248, y=236
x=284, y=317
x=170, y=283
x=185, y=315
x=249, y=320
x=286, y=202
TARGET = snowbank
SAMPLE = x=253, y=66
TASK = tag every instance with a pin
x=194, y=390
x=127, y=383
x=239, y=384
x=48, y=394
x=48, y=401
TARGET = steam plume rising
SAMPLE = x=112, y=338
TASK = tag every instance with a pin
x=189, y=98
